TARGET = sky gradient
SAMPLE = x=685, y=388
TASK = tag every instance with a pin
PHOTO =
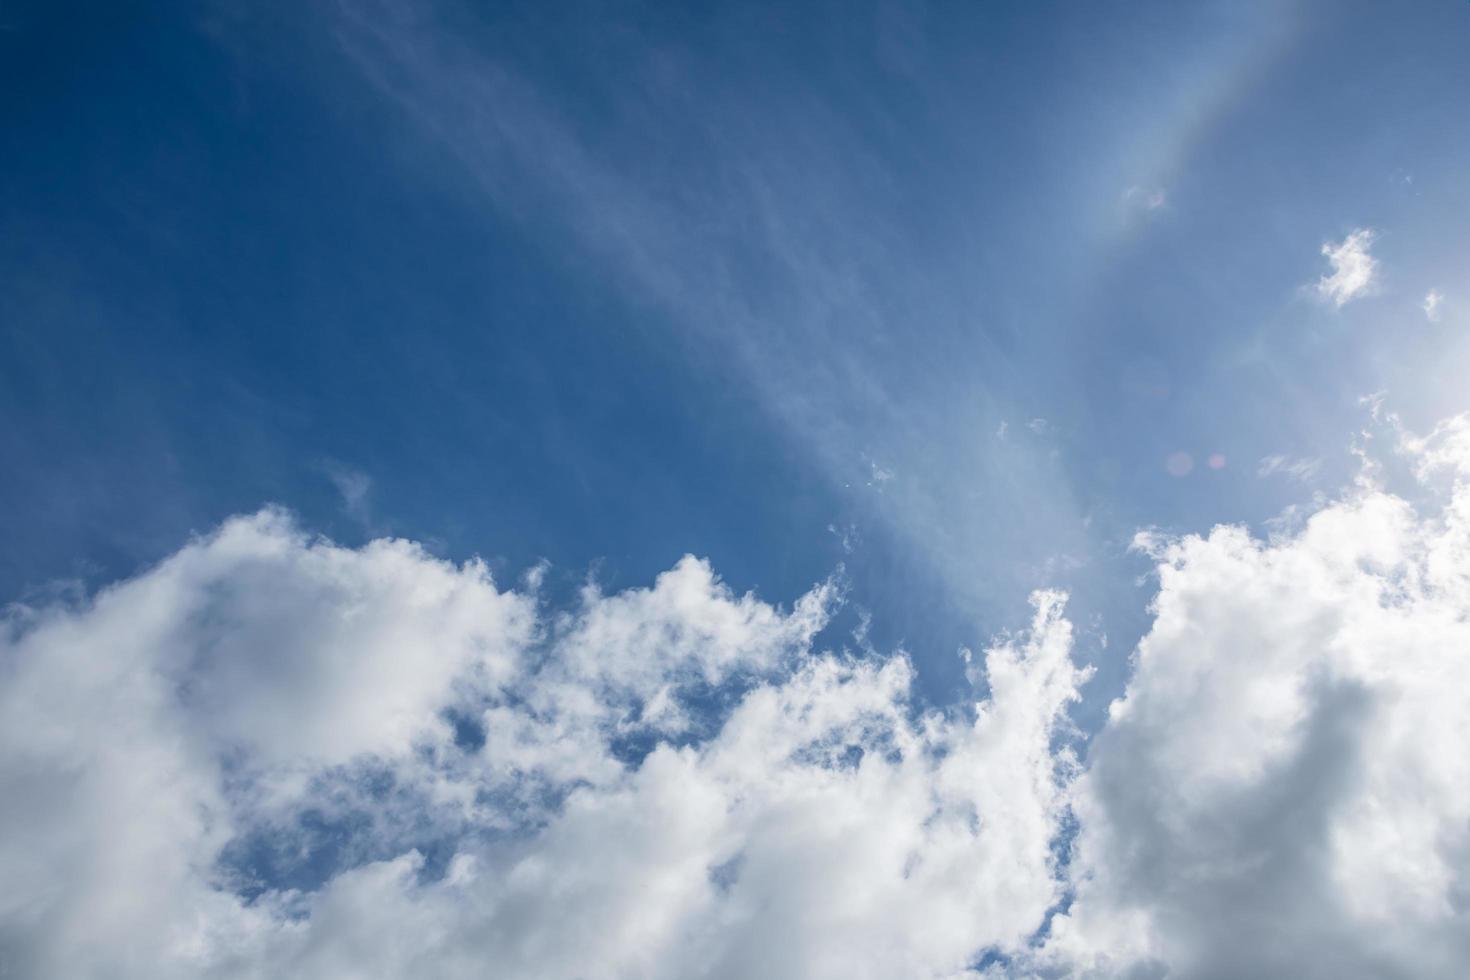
x=610, y=284
x=927, y=329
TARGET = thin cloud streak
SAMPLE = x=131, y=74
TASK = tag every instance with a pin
x=802, y=334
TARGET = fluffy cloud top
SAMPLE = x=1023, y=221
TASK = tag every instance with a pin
x=273, y=756
x=258, y=759
x=1354, y=270
x=1285, y=791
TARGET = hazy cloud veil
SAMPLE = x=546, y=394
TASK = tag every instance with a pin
x=273, y=756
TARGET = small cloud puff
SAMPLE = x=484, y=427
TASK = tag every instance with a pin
x=1354, y=270
x=354, y=486
x=1431, y=305
x=1146, y=198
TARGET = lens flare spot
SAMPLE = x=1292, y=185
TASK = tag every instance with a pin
x=1179, y=464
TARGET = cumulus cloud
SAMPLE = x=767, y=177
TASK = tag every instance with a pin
x=1283, y=791
x=1354, y=270
x=274, y=756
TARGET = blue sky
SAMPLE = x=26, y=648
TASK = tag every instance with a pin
x=606, y=284
x=904, y=319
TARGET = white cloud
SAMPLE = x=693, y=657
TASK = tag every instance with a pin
x=1354, y=270
x=273, y=756
x=169, y=743
x=1431, y=305
x=1283, y=792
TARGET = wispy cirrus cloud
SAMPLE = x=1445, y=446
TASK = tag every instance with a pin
x=354, y=487
x=783, y=256
x=1301, y=469
x=1146, y=198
